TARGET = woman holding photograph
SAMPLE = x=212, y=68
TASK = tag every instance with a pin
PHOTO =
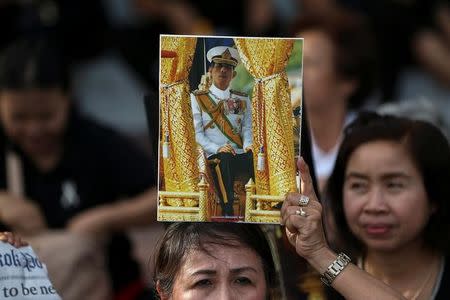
x=389, y=196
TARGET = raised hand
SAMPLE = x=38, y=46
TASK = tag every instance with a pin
x=21, y=215
x=302, y=215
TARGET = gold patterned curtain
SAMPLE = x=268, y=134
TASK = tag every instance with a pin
x=177, y=130
x=266, y=60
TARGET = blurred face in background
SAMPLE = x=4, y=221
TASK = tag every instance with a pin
x=385, y=201
x=34, y=119
x=322, y=83
x=232, y=273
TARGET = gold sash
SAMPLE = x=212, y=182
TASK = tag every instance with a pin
x=216, y=112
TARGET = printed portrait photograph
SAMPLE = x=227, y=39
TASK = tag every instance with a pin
x=229, y=128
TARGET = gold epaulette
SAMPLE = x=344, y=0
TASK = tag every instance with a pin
x=242, y=94
x=200, y=92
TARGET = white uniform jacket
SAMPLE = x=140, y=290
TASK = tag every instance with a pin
x=212, y=138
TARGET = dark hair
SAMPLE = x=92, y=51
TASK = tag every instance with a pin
x=430, y=153
x=354, y=48
x=33, y=63
x=180, y=239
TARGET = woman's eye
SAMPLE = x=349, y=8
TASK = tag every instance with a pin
x=203, y=283
x=357, y=186
x=395, y=185
x=243, y=281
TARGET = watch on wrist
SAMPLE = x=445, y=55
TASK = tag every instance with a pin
x=335, y=268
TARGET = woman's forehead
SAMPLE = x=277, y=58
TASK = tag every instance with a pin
x=380, y=156
x=214, y=256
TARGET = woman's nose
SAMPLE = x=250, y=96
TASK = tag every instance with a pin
x=225, y=292
x=376, y=202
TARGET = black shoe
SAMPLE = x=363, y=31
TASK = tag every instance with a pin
x=229, y=212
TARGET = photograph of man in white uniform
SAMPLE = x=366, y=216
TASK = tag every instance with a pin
x=223, y=124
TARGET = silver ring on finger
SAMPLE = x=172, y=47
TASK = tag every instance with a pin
x=301, y=212
x=303, y=200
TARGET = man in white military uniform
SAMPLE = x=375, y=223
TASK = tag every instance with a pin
x=223, y=124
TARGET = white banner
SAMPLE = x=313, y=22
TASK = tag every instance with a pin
x=23, y=275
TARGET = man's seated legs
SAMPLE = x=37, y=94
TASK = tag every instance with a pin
x=226, y=171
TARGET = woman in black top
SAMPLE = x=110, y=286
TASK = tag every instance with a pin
x=74, y=174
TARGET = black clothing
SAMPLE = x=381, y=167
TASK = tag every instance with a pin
x=230, y=167
x=97, y=166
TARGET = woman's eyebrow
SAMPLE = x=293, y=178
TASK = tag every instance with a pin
x=391, y=175
x=355, y=175
x=204, y=272
x=387, y=175
x=243, y=269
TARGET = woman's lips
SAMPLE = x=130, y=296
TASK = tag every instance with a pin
x=377, y=229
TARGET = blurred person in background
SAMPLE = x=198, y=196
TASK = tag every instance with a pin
x=420, y=109
x=60, y=170
x=338, y=77
x=250, y=17
x=431, y=46
x=111, y=62
x=412, y=42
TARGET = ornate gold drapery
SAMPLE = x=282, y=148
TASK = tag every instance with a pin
x=181, y=172
x=266, y=60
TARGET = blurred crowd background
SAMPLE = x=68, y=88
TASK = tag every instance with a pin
x=113, y=46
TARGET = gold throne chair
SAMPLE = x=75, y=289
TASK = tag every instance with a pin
x=184, y=193
x=272, y=125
